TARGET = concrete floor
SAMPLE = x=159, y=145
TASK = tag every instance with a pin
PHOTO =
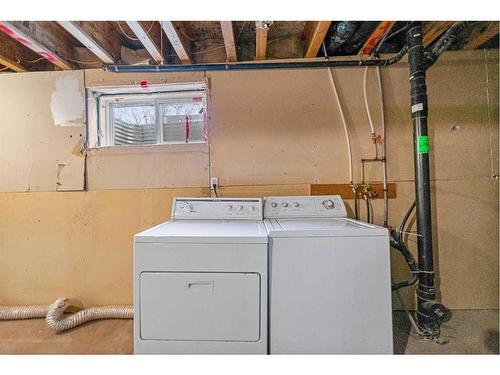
x=469, y=331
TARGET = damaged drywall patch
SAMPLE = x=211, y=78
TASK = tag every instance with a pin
x=67, y=102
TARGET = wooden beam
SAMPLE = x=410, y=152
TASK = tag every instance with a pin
x=433, y=30
x=84, y=36
x=376, y=36
x=314, y=34
x=228, y=35
x=42, y=39
x=13, y=54
x=151, y=43
x=179, y=43
x=489, y=31
x=261, y=40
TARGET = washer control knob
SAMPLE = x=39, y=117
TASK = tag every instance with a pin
x=240, y=208
x=284, y=204
x=296, y=204
x=251, y=208
x=274, y=204
x=186, y=207
x=229, y=208
x=328, y=204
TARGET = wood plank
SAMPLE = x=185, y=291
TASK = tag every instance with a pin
x=489, y=31
x=180, y=44
x=84, y=35
x=11, y=54
x=345, y=190
x=376, y=36
x=260, y=42
x=41, y=38
x=152, y=43
x=313, y=36
x=228, y=35
x=433, y=30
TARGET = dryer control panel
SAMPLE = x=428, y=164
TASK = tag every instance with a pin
x=304, y=206
x=217, y=208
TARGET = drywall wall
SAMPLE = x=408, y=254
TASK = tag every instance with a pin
x=41, y=129
x=274, y=133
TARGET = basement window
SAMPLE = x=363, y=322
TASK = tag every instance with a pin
x=152, y=115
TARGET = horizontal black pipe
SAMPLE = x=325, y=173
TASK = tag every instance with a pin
x=253, y=66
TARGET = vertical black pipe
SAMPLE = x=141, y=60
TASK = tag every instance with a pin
x=426, y=292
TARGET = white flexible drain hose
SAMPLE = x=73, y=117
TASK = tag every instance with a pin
x=58, y=323
x=23, y=312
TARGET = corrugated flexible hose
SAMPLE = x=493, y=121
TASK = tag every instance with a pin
x=23, y=312
x=58, y=323
x=54, y=314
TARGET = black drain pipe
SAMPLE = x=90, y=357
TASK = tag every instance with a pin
x=254, y=66
x=430, y=313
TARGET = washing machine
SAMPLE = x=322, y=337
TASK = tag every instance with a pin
x=200, y=280
x=329, y=280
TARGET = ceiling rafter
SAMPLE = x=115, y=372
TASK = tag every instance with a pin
x=313, y=36
x=489, y=31
x=376, y=36
x=41, y=39
x=228, y=35
x=152, y=42
x=85, y=35
x=181, y=45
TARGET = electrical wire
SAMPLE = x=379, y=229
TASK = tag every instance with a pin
x=131, y=37
x=1, y=70
x=85, y=62
x=346, y=132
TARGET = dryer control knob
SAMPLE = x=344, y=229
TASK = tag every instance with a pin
x=274, y=204
x=328, y=204
x=251, y=208
x=284, y=204
x=296, y=204
x=229, y=208
x=240, y=208
x=187, y=207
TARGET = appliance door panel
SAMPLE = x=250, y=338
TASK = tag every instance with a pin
x=200, y=306
x=330, y=295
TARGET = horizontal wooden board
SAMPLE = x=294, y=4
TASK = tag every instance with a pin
x=345, y=190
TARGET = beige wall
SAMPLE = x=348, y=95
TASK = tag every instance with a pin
x=270, y=132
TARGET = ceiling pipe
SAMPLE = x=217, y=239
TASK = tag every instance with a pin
x=254, y=66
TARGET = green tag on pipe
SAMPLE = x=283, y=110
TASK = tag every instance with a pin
x=423, y=144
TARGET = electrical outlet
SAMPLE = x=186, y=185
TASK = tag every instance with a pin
x=214, y=183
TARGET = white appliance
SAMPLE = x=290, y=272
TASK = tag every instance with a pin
x=200, y=280
x=330, y=286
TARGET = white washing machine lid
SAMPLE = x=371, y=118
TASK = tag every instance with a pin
x=321, y=227
x=205, y=231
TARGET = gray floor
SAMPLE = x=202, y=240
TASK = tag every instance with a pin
x=469, y=331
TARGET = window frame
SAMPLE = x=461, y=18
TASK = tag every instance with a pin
x=100, y=126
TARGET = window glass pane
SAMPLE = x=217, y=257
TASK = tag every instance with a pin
x=183, y=122
x=133, y=123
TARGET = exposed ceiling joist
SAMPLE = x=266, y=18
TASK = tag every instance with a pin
x=488, y=32
x=375, y=37
x=433, y=30
x=84, y=35
x=228, y=35
x=12, y=65
x=261, y=39
x=152, y=43
x=13, y=55
x=41, y=39
x=314, y=34
x=179, y=43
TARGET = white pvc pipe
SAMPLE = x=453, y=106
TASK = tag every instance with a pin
x=384, y=150
x=367, y=108
x=346, y=132
x=58, y=323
